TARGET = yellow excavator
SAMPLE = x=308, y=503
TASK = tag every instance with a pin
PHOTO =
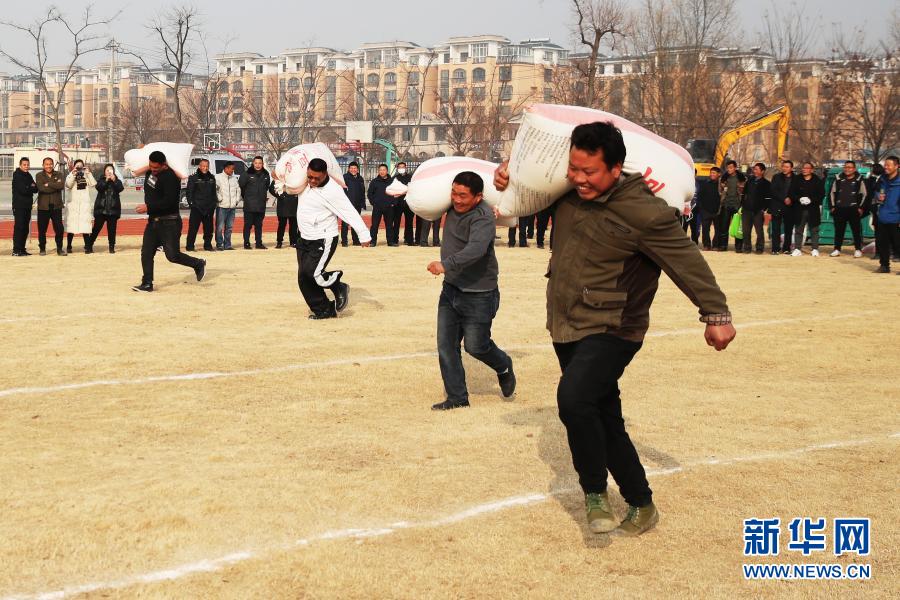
x=708, y=153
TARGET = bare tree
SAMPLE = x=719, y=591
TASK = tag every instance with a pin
x=178, y=31
x=84, y=38
x=598, y=24
x=142, y=120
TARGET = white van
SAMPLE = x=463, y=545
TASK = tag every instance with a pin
x=217, y=162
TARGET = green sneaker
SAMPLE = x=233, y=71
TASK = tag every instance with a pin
x=638, y=520
x=599, y=516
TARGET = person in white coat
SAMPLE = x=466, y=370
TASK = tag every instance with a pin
x=228, y=196
x=79, y=212
x=320, y=206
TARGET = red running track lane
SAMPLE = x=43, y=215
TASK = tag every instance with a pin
x=136, y=226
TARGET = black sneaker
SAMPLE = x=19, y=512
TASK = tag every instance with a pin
x=144, y=287
x=261, y=247
x=112, y=249
x=883, y=269
x=324, y=315
x=208, y=249
x=278, y=245
x=189, y=249
x=88, y=250
x=507, y=381
x=43, y=252
x=449, y=405
x=341, y=296
x=200, y=270
x=61, y=252
x=344, y=244
x=248, y=247
x=540, y=246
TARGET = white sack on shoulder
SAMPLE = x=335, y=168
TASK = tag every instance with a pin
x=178, y=157
x=291, y=167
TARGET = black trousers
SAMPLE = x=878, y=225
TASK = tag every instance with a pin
x=723, y=224
x=165, y=233
x=196, y=219
x=423, y=229
x=313, y=257
x=21, y=228
x=345, y=228
x=706, y=223
x=253, y=220
x=779, y=225
x=543, y=220
x=111, y=222
x=842, y=217
x=529, y=226
x=591, y=410
x=403, y=211
x=875, y=229
x=44, y=218
x=387, y=213
x=692, y=223
x=753, y=220
x=888, y=236
x=293, y=232
x=523, y=232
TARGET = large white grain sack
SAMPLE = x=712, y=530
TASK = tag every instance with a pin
x=540, y=159
x=291, y=167
x=178, y=157
x=396, y=189
x=428, y=192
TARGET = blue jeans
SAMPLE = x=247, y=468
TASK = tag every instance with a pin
x=224, y=225
x=466, y=317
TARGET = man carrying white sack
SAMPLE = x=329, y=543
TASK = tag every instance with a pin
x=470, y=296
x=611, y=237
x=320, y=206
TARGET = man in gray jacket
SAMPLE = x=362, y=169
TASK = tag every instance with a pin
x=228, y=196
x=470, y=296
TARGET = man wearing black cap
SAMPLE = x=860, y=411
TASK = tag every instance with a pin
x=162, y=189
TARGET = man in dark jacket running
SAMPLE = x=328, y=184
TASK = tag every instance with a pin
x=201, y=197
x=254, y=184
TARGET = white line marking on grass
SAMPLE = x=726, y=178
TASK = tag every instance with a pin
x=360, y=360
x=217, y=564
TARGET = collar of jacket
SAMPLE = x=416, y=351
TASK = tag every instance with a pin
x=206, y=175
x=623, y=183
x=252, y=171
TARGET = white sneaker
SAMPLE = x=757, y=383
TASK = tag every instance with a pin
x=835, y=253
x=815, y=252
x=796, y=252
x=857, y=253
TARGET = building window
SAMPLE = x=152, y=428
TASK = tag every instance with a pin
x=505, y=73
x=259, y=69
x=372, y=114
x=413, y=78
x=479, y=51
x=390, y=78
x=459, y=94
x=478, y=75
x=440, y=134
x=372, y=97
x=390, y=96
x=464, y=57
x=478, y=93
x=548, y=94
x=446, y=58
x=548, y=75
x=414, y=60
x=372, y=80
x=617, y=68
x=423, y=134
x=459, y=76
x=332, y=65
x=506, y=92
x=406, y=134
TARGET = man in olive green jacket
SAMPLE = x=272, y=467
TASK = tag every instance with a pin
x=50, y=205
x=612, y=237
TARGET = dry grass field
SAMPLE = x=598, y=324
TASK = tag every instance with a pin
x=208, y=441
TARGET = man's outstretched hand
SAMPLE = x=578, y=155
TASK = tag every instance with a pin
x=719, y=336
x=435, y=268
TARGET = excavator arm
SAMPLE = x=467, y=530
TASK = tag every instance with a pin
x=781, y=115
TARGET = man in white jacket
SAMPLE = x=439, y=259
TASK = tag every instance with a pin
x=318, y=210
x=228, y=195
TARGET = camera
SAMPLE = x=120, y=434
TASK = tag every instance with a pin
x=80, y=181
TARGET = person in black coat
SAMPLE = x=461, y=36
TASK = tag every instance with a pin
x=709, y=203
x=756, y=201
x=782, y=214
x=870, y=207
x=201, y=197
x=23, y=190
x=286, y=210
x=805, y=197
x=254, y=184
x=383, y=206
x=403, y=211
x=107, y=207
x=356, y=192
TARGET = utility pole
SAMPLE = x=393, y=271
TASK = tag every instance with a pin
x=109, y=106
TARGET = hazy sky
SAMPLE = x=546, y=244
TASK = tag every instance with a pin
x=269, y=27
